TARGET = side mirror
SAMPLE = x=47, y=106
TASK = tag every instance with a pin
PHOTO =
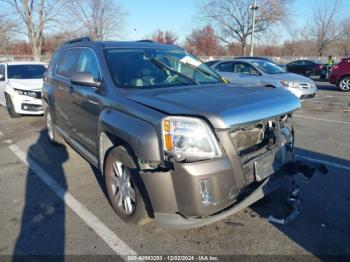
x=2, y=77
x=84, y=79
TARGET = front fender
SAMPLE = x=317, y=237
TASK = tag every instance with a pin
x=142, y=137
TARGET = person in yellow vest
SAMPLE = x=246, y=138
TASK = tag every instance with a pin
x=329, y=65
x=330, y=62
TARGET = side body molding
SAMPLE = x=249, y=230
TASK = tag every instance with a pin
x=141, y=136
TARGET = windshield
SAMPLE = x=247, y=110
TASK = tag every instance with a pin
x=269, y=68
x=25, y=71
x=153, y=68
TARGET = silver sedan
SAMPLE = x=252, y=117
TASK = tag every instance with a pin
x=254, y=72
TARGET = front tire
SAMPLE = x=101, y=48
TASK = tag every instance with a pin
x=124, y=196
x=10, y=107
x=50, y=129
x=344, y=84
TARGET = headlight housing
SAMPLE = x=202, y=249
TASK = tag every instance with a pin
x=287, y=129
x=189, y=138
x=27, y=93
x=289, y=84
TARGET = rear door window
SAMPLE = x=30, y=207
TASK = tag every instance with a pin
x=225, y=67
x=244, y=68
x=68, y=62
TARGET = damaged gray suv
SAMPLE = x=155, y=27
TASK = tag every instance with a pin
x=173, y=140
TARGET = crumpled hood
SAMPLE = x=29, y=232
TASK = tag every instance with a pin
x=291, y=77
x=26, y=84
x=224, y=105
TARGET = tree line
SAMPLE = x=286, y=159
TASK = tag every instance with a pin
x=41, y=25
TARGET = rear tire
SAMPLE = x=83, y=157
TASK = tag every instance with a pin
x=10, y=107
x=52, y=135
x=120, y=173
x=344, y=84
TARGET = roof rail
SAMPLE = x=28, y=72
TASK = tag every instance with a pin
x=80, y=39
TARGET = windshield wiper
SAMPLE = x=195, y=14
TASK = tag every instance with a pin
x=202, y=71
x=164, y=67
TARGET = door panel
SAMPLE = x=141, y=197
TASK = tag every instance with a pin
x=247, y=74
x=63, y=96
x=85, y=109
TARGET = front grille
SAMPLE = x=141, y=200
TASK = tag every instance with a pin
x=251, y=138
x=254, y=142
x=305, y=85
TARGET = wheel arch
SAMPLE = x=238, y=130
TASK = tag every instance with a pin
x=342, y=77
x=141, y=137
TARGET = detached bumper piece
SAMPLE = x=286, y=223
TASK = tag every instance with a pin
x=307, y=96
x=31, y=108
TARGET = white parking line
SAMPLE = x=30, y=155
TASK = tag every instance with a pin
x=323, y=162
x=1, y=133
x=115, y=243
x=324, y=120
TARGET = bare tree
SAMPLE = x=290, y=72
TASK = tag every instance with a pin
x=164, y=37
x=232, y=19
x=6, y=27
x=346, y=37
x=36, y=16
x=203, y=42
x=102, y=19
x=325, y=26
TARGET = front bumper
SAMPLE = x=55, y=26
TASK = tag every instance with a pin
x=195, y=194
x=26, y=105
x=302, y=93
x=177, y=221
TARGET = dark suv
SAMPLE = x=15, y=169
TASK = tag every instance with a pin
x=172, y=139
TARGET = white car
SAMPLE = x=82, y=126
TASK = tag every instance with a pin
x=256, y=72
x=20, y=87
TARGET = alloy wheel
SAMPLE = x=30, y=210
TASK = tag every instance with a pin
x=49, y=126
x=345, y=84
x=123, y=189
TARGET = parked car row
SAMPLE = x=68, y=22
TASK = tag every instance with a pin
x=262, y=72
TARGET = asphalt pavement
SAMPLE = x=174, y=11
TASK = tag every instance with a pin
x=53, y=201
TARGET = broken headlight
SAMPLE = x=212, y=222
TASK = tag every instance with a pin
x=287, y=138
x=189, y=138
